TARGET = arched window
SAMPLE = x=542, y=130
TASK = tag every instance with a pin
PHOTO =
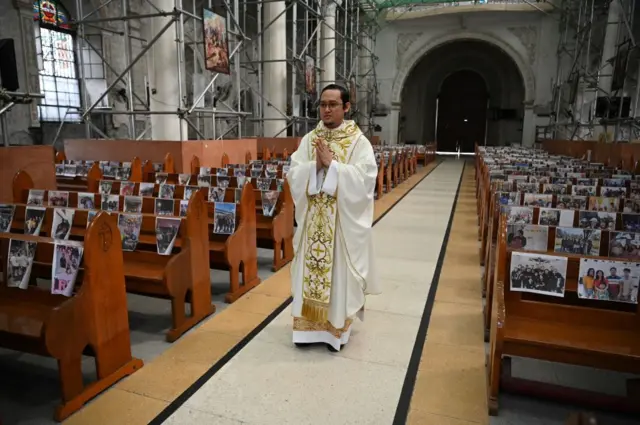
x=55, y=47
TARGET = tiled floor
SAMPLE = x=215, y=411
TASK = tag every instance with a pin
x=272, y=382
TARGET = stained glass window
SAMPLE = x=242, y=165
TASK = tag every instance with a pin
x=56, y=63
x=50, y=12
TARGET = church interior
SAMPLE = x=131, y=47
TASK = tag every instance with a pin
x=149, y=229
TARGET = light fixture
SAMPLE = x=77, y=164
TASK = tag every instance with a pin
x=465, y=120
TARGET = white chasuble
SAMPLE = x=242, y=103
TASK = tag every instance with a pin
x=332, y=269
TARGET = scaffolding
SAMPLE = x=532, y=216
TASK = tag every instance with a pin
x=596, y=44
x=220, y=106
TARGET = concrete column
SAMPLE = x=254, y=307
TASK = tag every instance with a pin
x=163, y=78
x=394, y=124
x=365, y=79
x=329, y=44
x=529, y=126
x=609, y=48
x=274, y=86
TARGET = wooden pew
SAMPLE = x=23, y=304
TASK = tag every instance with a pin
x=180, y=277
x=592, y=333
x=93, y=321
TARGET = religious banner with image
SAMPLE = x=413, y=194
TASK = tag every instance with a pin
x=310, y=74
x=216, y=43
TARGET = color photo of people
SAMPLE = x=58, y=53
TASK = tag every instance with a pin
x=166, y=233
x=216, y=43
x=624, y=245
x=538, y=274
x=224, y=218
x=66, y=263
x=528, y=237
x=608, y=280
x=573, y=240
x=129, y=226
x=6, y=217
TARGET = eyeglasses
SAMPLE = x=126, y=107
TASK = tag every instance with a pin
x=331, y=105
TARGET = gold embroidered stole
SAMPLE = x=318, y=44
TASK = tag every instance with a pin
x=320, y=226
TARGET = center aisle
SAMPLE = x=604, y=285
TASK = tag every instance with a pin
x=272, y=382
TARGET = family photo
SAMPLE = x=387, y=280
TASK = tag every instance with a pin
x=19, y=263
x=624, y=245
x=224, y=218
x=571, y=240
x=66, y=263
x=166, y=233
x=129, y=226
x=607, y=280
x=6, y=217
x=528, y=237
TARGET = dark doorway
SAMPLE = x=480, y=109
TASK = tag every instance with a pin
x=462, y=111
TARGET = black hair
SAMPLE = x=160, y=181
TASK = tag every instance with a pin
x=344, y=93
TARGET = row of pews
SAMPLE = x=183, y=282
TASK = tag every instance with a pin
x=560, y=246
x=105, y=201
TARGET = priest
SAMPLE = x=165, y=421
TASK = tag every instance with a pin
x=332, y=179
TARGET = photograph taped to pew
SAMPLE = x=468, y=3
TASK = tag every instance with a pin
x=222, y=181
x=269, y=201
x=58, y=198
x=184, y=179
x=631, y=222
x=90, y=216
x=528, y=237
x=538, y=274
x=613, y=192
x=66, y=263
x=222, y=172
x=204, y=171
x=554, y=189
x=86, y=201
x=608, y=280
x=163, y=207
x=556, y=217
x=271, y=171
x=157, y=167
x=127, y=188
x=264, y=184
x=279, y=185
x=62, y=220
x=624, y=245
x=509, y=198
x=572, y=202
x=6, y=217
x=188, y=191
x=33, y=218
x=110, y=203
x=184, y=204
x=600, y=203
x=129, y=226
x=166, y=232
x=224, y=218
x=571, y=240
x=613, y=182
x=146, y=189
x=537, y=200
x=204, y=180
x=256, y=172
x=36, y=198
x=519, y=215
x=216, y=194
x=237, y=195
x=634, y=190
x=166, y=191
x=132, y=204
x=242, y=180
x=597, y=220
x=161, y=178
x=583, y=190
x=105, y=187
x=21, y=254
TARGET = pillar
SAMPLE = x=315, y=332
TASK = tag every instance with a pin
x=529, y=125
x=166, y=78
x=609, y=48
x=274, y=80
x=329, y=44
x=394, y=124
x=365, y=67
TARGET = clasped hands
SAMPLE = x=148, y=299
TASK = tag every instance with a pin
x=323, y=154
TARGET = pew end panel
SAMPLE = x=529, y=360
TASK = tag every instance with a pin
x=92, y=321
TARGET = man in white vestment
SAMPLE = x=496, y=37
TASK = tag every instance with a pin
x=332, y=178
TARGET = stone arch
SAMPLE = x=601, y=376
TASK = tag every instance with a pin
x=427, y=42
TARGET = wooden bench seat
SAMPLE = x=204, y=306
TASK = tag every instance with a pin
x=93, y=321
x=180, y=277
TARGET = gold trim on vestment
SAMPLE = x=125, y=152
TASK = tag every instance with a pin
x=303, y=325
x=320, y=227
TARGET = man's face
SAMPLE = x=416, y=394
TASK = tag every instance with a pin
x=332, y=109
x=613, y=271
